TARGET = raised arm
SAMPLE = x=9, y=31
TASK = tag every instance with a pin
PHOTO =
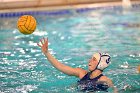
x=58, y=65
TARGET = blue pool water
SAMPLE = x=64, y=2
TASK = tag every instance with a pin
x=74, y=35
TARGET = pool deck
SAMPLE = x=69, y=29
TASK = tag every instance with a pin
x=38, y=5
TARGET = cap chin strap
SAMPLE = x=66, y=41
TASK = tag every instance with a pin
x=96, y=69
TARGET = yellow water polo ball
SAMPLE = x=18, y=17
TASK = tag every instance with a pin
x=26, y=24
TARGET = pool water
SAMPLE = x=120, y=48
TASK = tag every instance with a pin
x=73, y=38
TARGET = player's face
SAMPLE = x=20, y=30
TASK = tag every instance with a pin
x=92, y=63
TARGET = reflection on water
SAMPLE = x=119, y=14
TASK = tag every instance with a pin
x=72, y=40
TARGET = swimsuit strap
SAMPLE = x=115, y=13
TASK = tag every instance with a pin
x=87, y=77
x=96, y=78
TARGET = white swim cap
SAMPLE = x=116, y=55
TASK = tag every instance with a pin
x=103, y=60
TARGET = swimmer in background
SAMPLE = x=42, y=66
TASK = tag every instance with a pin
x=133, y=25
x=97, y=63
x=138, y=69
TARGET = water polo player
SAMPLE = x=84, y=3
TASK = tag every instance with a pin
x=92, y=80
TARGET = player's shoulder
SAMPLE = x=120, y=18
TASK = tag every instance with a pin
x=81, y=71
x=107, y=80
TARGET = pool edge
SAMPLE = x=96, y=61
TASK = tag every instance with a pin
x=65, y=7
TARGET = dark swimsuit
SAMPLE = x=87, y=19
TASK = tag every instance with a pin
x=87, y=84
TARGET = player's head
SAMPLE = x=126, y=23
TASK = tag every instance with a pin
x=99, y=61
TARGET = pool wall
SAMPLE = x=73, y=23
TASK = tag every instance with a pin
x=17, y=8
x=14, y=4
x=8, y=4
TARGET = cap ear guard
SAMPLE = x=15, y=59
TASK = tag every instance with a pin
x=104, y=61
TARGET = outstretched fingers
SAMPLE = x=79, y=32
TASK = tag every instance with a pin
x=38, y=44
x=41, y=40
x=45, y=40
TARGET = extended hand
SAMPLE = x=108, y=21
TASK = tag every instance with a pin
x=43, y=45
